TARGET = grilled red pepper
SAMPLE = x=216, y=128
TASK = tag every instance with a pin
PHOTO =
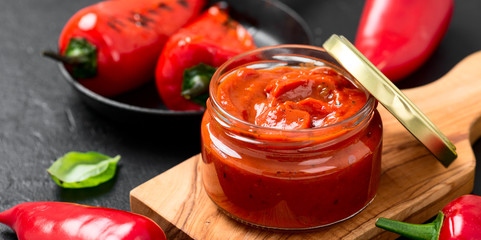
x=460, y=219
x=112, y=47
x=190, y=56
x=58, y=220
x=398, y=36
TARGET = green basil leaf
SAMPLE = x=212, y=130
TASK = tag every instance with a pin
x=82, y=170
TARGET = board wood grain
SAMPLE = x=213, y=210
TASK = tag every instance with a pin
x=414, y=185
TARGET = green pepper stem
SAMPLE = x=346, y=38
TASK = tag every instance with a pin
x=81, y=55
x=64, y=59
x=200, y=85
x=429, y=231
x=195, y=83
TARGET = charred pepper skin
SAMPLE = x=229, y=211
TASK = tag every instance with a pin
x=69, y=221
x=211, y=39
x=459, y=220
x=128, y=37
x=398, y=36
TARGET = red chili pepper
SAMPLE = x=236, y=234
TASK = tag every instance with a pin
x=398, y=36
x=58, y=220
x=460, y=219
x=190, y=56
x=112, y=47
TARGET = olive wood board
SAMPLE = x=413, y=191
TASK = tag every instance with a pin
x=414, y=186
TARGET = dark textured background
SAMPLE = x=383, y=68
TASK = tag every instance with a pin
x=42, y=118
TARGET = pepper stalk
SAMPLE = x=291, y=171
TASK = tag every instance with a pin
x=428, y=231
x=80, y=55
x=196, y=80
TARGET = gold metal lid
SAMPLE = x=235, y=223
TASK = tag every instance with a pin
x=391, y=98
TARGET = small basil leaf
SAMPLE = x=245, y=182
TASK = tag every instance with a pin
x=81, y=170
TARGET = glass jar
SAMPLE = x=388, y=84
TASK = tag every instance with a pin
x=289, y=179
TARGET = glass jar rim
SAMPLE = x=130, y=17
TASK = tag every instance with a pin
x=368, y=107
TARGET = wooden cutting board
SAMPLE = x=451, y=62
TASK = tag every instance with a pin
x=414, y=185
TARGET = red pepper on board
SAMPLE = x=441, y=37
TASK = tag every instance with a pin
x=112, y=47
x=460, y=219
x=398, y=36
x=190, y=57
x=62, y=221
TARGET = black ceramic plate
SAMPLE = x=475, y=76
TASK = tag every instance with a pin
x=270, y=22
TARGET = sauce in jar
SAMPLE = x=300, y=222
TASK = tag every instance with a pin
x=288, y=144
x=290, y=98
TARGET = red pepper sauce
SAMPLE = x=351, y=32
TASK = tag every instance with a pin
x=290, y=98
x=266, y=178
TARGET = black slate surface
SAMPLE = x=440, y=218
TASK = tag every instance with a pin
x=41, y=117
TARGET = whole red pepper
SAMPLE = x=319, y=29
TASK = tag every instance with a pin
x=460, y=219
x=62, y=221
x=398, y=36
x=190, y=57
x=112, y=47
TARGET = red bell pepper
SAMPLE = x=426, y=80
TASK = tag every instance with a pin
x=58, y=220
x=190, y=57
x=398, y=36
x=460, y=219
x=112, y=47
